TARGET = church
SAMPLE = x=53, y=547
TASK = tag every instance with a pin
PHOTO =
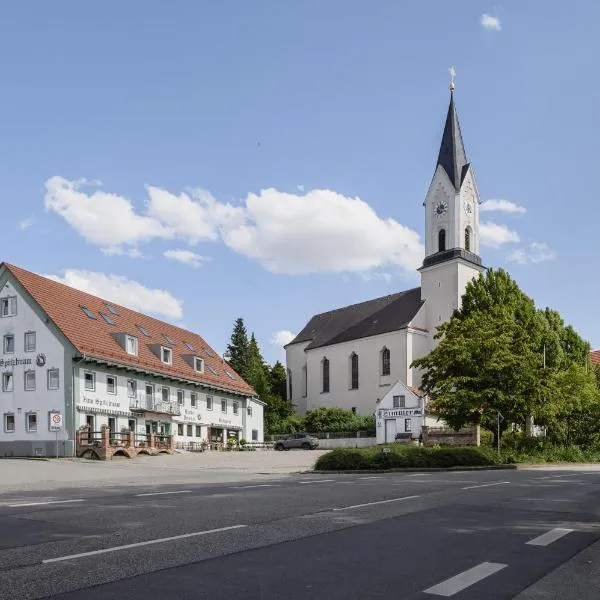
x=358, y=357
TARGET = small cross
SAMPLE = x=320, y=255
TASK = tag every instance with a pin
x=452, y=72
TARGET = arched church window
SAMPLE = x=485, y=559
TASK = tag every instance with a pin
x=385, y=361
x=441, y=240
x=354, y=371
x=325, y=375
x=467, y=239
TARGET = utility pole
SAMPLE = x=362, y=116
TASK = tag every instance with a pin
x=498, y=419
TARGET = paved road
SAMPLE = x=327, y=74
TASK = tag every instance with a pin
x=465, y=535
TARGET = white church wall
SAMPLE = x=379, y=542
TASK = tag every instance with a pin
x=295, y=359
x=372, y=384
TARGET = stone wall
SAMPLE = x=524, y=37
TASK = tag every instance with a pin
x=469, y=436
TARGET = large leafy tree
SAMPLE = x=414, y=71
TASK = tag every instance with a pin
x=487, y=360
x=238, y=349
x=278, y=380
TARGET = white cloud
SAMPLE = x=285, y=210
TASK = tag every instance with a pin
x=491, y=23
x=26, y=223
x=121, y=290
x=282, y=337
x=300, y=187
x=375, y=276
x=495, y=235
x=104, y=219
x=187, y=257
x=194, y=217
x=502, y=206
x=536, y=252
x=321, y=231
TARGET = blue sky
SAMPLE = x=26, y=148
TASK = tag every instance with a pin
x=279, y=152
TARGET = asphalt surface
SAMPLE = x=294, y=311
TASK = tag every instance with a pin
x=465, y=535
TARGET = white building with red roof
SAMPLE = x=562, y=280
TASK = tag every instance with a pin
x=99, y=365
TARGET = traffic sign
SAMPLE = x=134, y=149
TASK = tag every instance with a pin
x=56, y=421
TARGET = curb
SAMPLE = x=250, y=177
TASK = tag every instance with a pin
x=420, y=470
x=37, y=458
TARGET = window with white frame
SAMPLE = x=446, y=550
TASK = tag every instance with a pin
x=111, y=384
x=194, y=399
x=8, y=382
x=255, y=435
x=198, y=364
x=9, y=423
x=131, y=388
x=31, y=422
x=8, y=306
x=29, y=344
x=190, y=430
x=236, y=408
x=166, y=355
x=29, y=381
x=198, y=431
x=180, y=397
x=53, y=379
x=223, y=405
x=166, y=394
x=209, y=403
x=89, y=381
x=9, y=343
x=150, y=392
x=131, y=345
x=399, y=402
x=407, y=425
x=249, y=411
x=179, y=428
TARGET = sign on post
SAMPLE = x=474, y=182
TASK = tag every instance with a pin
x=56, y=421
x=56, y=425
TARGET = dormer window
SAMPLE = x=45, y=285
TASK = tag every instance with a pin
x=166, y=355
x=198, y=364
x=131, y=345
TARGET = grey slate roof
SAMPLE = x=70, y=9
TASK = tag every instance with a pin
x=452, y=156
x=356, y=321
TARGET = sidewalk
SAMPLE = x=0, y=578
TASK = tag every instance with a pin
x=577, y=579
x=207, y=467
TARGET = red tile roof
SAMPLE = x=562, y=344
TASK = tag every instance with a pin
x=595, y=357
x=95, y=337
x=416, y=391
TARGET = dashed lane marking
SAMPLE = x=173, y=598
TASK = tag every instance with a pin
x=482, y=485
x=463, y=580
x=44, y=503
x=550, y=536
x=376, y=503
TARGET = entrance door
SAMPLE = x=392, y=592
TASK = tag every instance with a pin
x=390, y=430
x=112, y=425
x=89, y=421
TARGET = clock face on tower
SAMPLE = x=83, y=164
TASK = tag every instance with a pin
x=440, y=208
x=468, y=208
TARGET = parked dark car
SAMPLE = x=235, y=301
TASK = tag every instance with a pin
x=297, y=440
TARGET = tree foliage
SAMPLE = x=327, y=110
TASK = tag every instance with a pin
x=238, y=349
x=498, y=354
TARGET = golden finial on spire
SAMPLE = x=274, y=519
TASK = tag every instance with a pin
x=452, y=72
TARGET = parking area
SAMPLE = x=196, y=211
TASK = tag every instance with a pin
x=206, y=467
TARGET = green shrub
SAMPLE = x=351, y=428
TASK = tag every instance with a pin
x=352, y=459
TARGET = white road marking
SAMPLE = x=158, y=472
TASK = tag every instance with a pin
x=465, y=579
x=317, y=481
x=164, y=493
x=43, y=503
x=559, y=476
x=550, y=536
x=247, y=487
x=547, y=499
x=376, y=503
x=374, y=477
x=472, y=487
x=140, y=544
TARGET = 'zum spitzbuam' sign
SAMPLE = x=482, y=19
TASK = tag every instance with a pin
x=402, y=412
x=14, y=362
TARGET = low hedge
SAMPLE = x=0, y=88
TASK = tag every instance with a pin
x=354, y=459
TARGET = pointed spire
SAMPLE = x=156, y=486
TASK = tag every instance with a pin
x=452, y=154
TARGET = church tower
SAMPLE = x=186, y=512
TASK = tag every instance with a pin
x=451, y=227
